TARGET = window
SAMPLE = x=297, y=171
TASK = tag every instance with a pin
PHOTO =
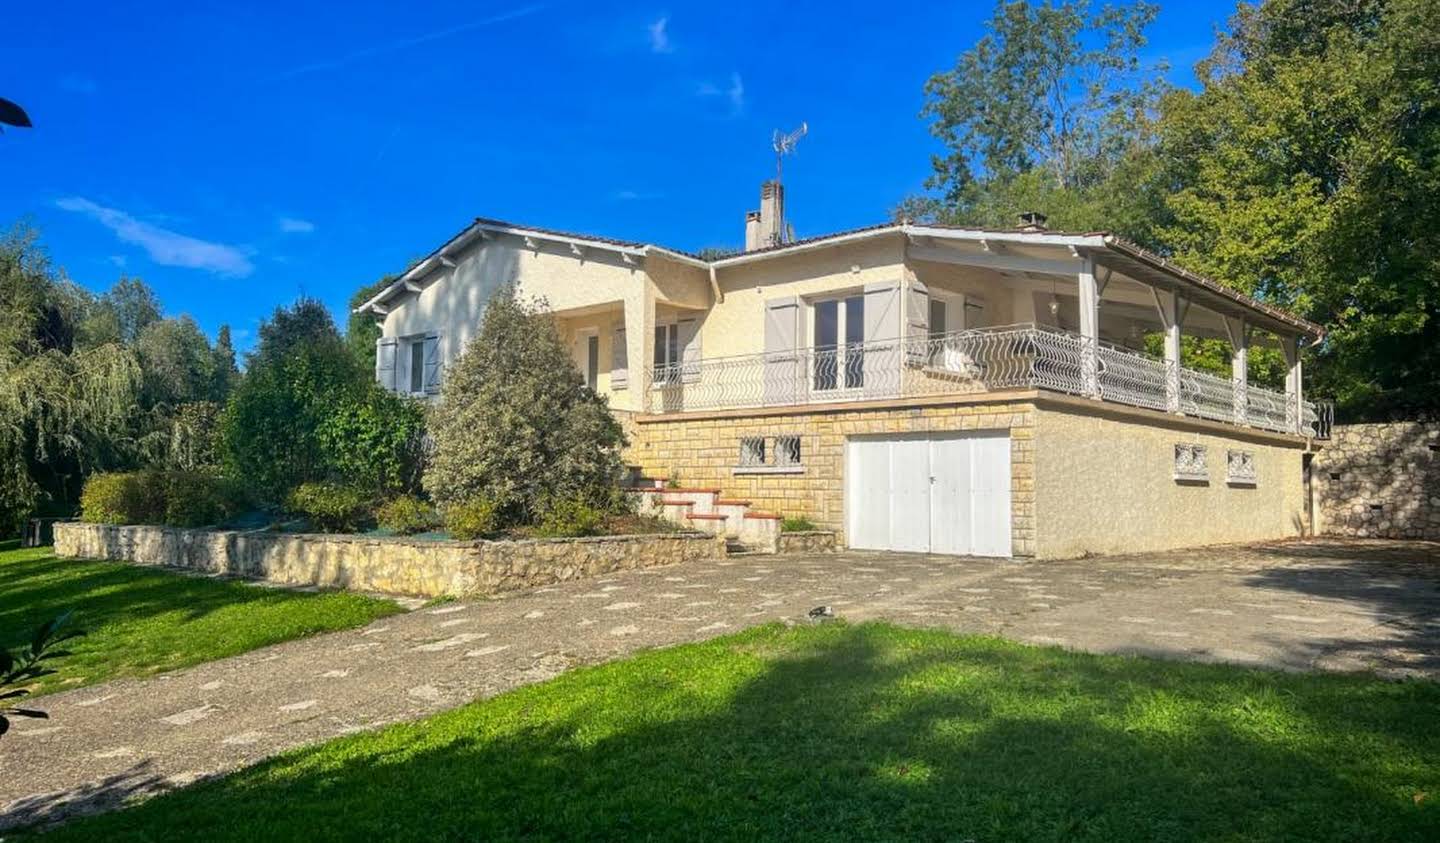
x=417, y=365
x=839, y=338
x=770, y=455
x=938, y=310
x=590, y=357
x=667, y=353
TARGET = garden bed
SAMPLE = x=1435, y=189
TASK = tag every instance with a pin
x=426, y=568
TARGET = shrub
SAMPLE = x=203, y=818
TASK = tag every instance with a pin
x=374, y=440
x=569, y=517
x=332, y=507
x=796, y=525
x=472, y=519
x=173, y=498
x=515, y=425
x=406, y=515
x=130, y=497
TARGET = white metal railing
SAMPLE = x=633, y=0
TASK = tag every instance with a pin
x=981, y=360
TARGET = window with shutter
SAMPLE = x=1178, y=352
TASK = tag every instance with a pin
x=385, y=352
x=431, y=375
x=619, y=355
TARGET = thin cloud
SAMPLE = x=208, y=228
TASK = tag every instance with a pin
x=165, y=247
x=403, y=44
x=734, y=93
x=660, y=38
x=295, y=225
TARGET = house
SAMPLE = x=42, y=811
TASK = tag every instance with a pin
x=914, y=387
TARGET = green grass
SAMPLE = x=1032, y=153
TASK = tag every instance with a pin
x=863, y=733
x=140, y=621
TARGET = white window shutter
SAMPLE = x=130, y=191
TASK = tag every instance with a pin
x=883, y=358
x=784, y=372
x=432, y=364
x=619, y=357
x=974, y=313
x=917, y=324
x=689, y=341
x=385, y=352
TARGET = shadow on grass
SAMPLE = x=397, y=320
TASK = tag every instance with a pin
x=857, y=733
x=1396, y=582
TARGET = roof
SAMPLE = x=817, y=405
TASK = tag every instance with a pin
x=1130, y=258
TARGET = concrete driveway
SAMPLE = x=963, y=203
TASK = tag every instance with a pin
x=1299, y=605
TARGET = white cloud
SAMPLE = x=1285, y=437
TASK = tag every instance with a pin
x=734, y=93
x=660, y=38
x=165, y=247
x=295, y=225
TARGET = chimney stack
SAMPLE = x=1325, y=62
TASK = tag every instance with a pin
x=765, y=228
x=1032, y=221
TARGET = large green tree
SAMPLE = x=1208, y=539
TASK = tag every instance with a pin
x=1307, y=170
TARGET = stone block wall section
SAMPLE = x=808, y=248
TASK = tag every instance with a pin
x=390, y=565
x=1379, y=481
x=704, y=451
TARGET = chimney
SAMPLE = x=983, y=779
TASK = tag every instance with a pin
x=1032, y=221
x=764, y=228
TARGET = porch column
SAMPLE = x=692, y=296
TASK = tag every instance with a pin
x=1294, y=392
x=1089, y=330
x=640, y=343
x=1172, y=308
x=1240, y=365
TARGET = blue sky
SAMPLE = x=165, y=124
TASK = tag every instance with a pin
x=236, y=155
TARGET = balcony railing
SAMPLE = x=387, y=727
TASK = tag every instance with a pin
x=964, y=362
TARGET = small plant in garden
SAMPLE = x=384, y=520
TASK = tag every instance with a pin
x=569, y=517
x=472, y=519
x=122, y=498
x=333, y=507
x=799, y=524
x=174, y=498
x=406, y=515
x=24, y=666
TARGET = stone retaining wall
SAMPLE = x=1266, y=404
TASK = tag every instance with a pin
x=1379, y=481
x=806, y=541
x=392, y=565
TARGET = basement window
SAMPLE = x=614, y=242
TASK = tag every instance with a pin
x=770, y=455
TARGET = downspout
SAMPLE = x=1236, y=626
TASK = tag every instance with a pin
x=715, y=286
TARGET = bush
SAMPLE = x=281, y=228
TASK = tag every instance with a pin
x=569, y=517
x=797, y=525
x=332, y=507
x=472, y=519
x=374, y=439
x=515, y=425
x=130, y=497
x=172, y=498
x=406, y=515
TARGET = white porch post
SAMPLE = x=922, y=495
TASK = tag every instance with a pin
x=1294, y=391
x=1240, y=365
x=1089, y=330
x=640, y=343
x=1172, y=308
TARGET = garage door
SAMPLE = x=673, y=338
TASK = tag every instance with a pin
x=930, y=493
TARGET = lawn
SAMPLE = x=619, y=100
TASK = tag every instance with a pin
x=140, y=621
x=857, y=732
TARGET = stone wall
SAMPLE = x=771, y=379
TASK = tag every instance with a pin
x=801, y=542
x=703, y=451
x=391, y=565
x=1379, y=481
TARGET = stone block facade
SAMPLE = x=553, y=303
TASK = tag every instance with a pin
x=1379, y=481
x=390, y=565
x=704, y=451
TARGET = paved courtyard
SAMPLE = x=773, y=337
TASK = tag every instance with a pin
x=1298, y=605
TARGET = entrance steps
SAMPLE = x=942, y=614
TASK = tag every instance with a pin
x=708, y=511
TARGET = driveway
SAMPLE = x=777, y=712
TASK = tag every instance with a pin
x=1296, y=605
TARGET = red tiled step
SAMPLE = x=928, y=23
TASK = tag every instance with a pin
x=764, y=515
x=693, y=491
x=675, y=502
x=705, y=516
x=726, y=502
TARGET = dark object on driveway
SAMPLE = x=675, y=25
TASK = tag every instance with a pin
x=820, y=614
x=19, y=669
x=13, y=115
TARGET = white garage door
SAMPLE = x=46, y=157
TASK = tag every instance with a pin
x=929, y=493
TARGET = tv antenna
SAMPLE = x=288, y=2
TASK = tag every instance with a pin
x=785, y=145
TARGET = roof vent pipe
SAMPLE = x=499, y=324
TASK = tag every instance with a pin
x=1032, y=221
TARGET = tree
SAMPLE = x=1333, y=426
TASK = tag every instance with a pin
x=362, y=330
x=1308, y=174
x=1047, y=110
x=129, y=306
x=300, y=370
x=177, y=363
x=224, y=373
x=516, y=426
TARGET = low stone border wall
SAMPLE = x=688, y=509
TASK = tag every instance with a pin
x=806, y=541
x=392, y=565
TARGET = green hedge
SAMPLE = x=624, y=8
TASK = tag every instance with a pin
x=170, y=498
x=332, y=507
